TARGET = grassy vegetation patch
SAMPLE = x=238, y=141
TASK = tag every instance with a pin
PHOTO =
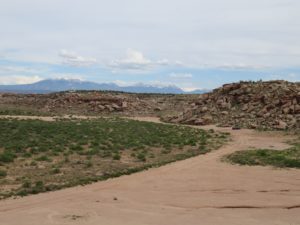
x=265, y=157
x=38, y=156
x=21, y=112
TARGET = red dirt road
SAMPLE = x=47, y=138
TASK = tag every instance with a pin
x=200, y=190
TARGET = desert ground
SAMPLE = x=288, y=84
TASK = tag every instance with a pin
x=199, y=190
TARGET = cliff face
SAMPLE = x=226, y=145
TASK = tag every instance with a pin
x=273, y=104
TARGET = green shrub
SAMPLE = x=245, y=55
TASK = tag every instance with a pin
x=165, y=151
x=117, y=156
x=55, y=171
x=33, y=163
x=22, y=193
x=88, y=164
x=7, y=157
x=39, y=184
x=285, y=158
x=43, y=158
x=142, y=157
x=26, y=184
x=3, y=173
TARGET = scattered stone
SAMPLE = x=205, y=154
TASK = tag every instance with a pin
x=250, y=105
x=236, y=127
x=281, y=125
x=115, y=106
x=124, y=104
x=253, y=126
x=101, y=107
x=204, y=109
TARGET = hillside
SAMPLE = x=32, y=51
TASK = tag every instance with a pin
x=264, y=105
x=93, y=103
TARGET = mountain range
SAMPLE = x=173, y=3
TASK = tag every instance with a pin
x=57, y=85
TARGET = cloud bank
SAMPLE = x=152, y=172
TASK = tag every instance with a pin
x=73, y=59
x=135, y=60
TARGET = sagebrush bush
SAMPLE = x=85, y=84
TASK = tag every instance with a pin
x=3, y=173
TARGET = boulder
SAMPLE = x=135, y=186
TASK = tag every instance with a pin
x=115, y=106
x=110, y=108
x=101, y=107
x=281, y=125
x=206, y=120
x=224, y=113
x=124, y=104
x=204, y=109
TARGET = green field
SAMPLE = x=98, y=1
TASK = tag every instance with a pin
x=289, y=158
x=38, y=156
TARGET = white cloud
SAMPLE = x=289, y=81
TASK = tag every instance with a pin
x=15, y=74
x=212, y=31
x=135, y=60
x=73, y=59
x=179, y=63
x=17, y=79
x=189, y=89
x=293, y=77
x=17, y=69
x=67, y=76
x=181, y=75
x=163, y=62
x=239, y=66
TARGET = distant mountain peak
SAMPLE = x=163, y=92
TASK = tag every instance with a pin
x=63, y=84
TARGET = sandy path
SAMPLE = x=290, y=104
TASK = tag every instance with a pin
x=200, y=190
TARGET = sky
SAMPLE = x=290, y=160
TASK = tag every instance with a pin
x=193, y=44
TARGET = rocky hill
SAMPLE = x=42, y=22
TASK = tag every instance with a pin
x=265, y=105
x=93, y=103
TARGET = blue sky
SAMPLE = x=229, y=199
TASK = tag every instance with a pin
x=191, y=44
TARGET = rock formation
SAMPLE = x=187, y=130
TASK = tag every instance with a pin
x=265, y=105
